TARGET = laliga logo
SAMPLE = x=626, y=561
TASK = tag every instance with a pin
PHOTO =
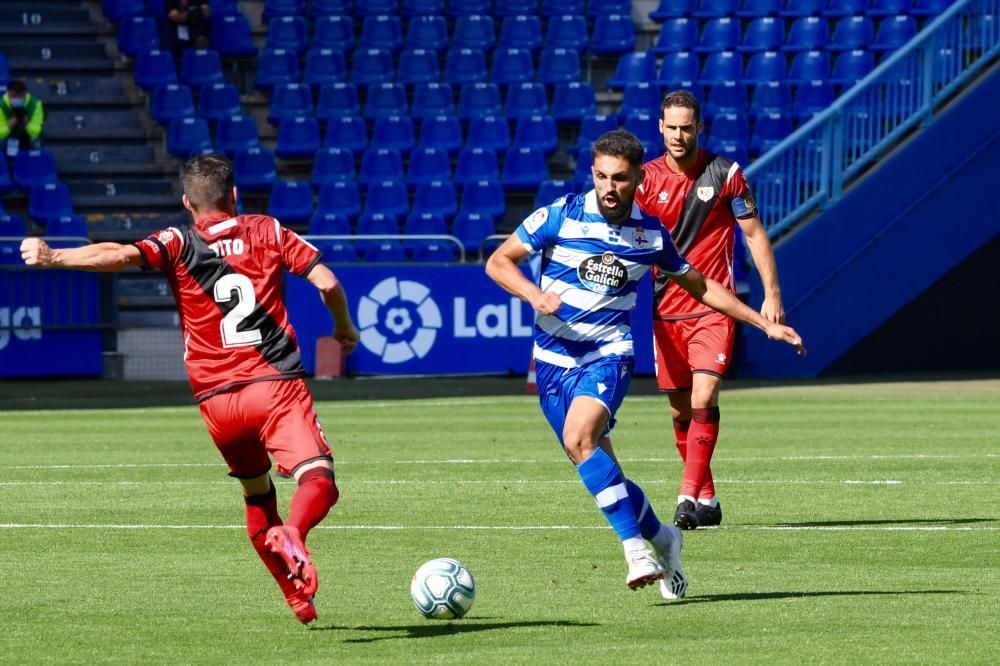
x=398, y=320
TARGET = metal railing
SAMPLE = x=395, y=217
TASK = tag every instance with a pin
x=808, y=170
x=403, y=239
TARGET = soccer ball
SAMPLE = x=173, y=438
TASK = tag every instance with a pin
x=443, y=589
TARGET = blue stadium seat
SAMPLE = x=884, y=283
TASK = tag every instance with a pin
x=769, y=130
x=254, y=170
x=466, y=7
x=236, y=134
x=382, y=32
x=536, y=132
x=427, y=164
x=472, y=229
x=220, y=7
x=851, y=67
x=476, y=164
x=276, y=66
x=477, y=99
x=219, y=100
x=596, y=10
x=337, y=100
x=893, y=32
x=442, y=132
x=725, y=97
x=851, y=33
x=474, y=31
x=349, y=132
x=334, y=32
x=552, y=8
x=153, y=69
x=516, y=7
x=676, y=34
x=70, y=225
x=238, y=40
x=324, y=66
x=387, y=196
x=4, y=71
x=382, y=224
x=376, y=7
x=490, y=132
x=433, y=99
x=427, y=32
x=395, y=132
x=13, y=226
x=591, y=128
x=280, y=8
x=329, y=224
x=845, y=8
x=384, y=252
x=465, y=66
x=372, y=66
x=6, y=183
x=428, y=250
x=524, y=167
x=486, y=197
x=380, y=164
x=50, y=201
x=438, y=197
x=138, y=34
x=572, y=101
x=730, y=127
x=926, y=8
x=646, y=129
x=676, y=67
x=722, y=66
x=809, y=66
x=423, y=8
x=434, y=252
x=520, y=32
x=115, y=10
x=34, y=167
x=201, y=67
x=425, y=224
x=763, y=34
x=558, y=66
x=341, y=199
x=670, y=9
x=289, y=100
x=771, y=97
x=709, y=9
x=800, y=8
x=512, y=66
x=614, y=34
x=633, y=68
x=567, y=32
x=641, y=97
x=809, y=33
x=319, y=8
x=734, y=150
x=418, y=66
x=765, y=66
x=298, y=137
x=188, y=136
x=583, y=178
x=759, y=8
x=289, y=33
x=884, y=8
x=337, y=251
x=291, y=202
x=526, y=99
x=332, y=165
x=719, y=34
x=812, y=97
x=385, y=99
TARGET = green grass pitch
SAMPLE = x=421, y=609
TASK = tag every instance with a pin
x=861, y=526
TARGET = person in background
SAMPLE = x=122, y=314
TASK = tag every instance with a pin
x=22, y=117
x=188, y=25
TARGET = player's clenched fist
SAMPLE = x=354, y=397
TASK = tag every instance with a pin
x=36, y=252
x=546, y=302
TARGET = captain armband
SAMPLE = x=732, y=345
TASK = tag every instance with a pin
x=744, y=207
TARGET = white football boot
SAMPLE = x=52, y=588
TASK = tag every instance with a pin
x=643, y=568
x=668, y=545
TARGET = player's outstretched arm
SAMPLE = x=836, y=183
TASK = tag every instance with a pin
x=502, y=268
x=335, y=299
x=763, y=259
x=99, y=257
x=717, y=297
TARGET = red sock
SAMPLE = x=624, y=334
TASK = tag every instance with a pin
x=262, y=513
x=315, y=496
x=702, y=435
x=681, y=437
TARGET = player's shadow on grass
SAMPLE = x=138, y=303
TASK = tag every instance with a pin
x=430, y=630
x=896, y=521
x=769, y=596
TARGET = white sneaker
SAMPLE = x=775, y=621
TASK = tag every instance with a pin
x=643, y=568
x=674, y=583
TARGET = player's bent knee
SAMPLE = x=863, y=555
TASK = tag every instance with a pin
x=321, y=477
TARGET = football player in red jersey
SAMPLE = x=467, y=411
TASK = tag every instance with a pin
x=699, y=197
x=241, y=355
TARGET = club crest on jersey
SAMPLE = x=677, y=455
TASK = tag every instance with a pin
x=706, y=193
x=638, y=236
x=664, y=196
x=165, y=236
x=603, y=273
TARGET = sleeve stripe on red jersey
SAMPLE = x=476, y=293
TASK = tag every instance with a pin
x=277, y=231
x=180, y=237
x=732, y=170
x=222, y=226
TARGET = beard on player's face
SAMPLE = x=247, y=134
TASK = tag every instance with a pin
x=615, y=215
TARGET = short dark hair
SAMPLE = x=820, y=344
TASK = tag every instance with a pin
x=208, y=181
x=17, y=86
x=620, y=143
x=682, y=98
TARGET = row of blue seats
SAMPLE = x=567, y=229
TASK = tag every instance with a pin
x=52, y=201
x=668, y=9
x=452, y=8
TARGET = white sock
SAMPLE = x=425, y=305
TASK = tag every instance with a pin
x=714, y=502
x=634, y=544
x=683, y=498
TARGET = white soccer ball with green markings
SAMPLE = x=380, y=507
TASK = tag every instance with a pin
x=443, y=589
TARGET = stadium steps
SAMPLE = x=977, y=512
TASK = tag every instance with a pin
x=44, y=17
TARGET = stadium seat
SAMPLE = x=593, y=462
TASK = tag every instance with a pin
x=466, y=7
x=324, y=66
x=852, y=33
x=428, y=250
x=153, y=69
x=771, y=97
x=436, y=196
x=376, y=7
x=552, y=8
x=238, y=42
x=201, y=67
x=49, y=201
x=13, y=226
x=341, y=199
x=4, y=71
x=845, y=8
x=418, y=66
x=280, y=8
x=298, y=137
x=809, y=33
x=220, y=7
x=526, y=99
x=384, y=252
x=187, y=137
x=646, y=129
x=34, y=167
x=572, y=101
x=583, y=178
x=614, y=34
x=759, y=8
x=490, y=132
x=800, y=8
x=441, y=132
x=66, y=226
x=334, y=32
x=380, y=164
x=524, y=167
x=709, y=9
x=433, y=99
x=387, y=196
x=730, y=127
x=641, y=97
x=567, y=32
x=115, y=10
x=676, y=34
x=765, y=66
x=395, y=132
x=474, y=31
x=329, y=224
x=476, y=164
x=536, y=132
x=719, y=34
x=885, y=8
x=423, y=8
x=763, y=34
x=289, y=100
x=418, y=223
x=332, y=165
x=927, y=8
x=725, y=97
x=851, y=67
x=385, y=99
x=512, y=66
x=427, y=164
x=722, y=66
x=812, y=97
x=591, y=128
x=486, y=197
x=670, y=9
x=472, y=229
x=893, y=32
x=520, y=32
x=138, y=34
x=465, y=66
x=558, y=66
x=596, y=10
x=676, y=67
x=349, y=132
x=427, y=32
x=254, y=170
x=276, y=66
x=337, y=100
x=219, y=100
x=376, y=224
x=236, y=134
x=516, y=7
x=477, y=99
x=337, y=251
x=291, y=202
x=769, y=130
x=372, y=66
x=318, y=8
x=6, y=183
x=633, y=68
x=809, y=66
x=382, y=32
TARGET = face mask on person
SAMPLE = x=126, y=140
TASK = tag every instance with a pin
x=17, y=102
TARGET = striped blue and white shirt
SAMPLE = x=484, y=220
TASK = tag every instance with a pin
x=595, y=268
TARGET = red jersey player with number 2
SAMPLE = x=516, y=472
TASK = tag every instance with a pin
x=241, y=355
x=699, y=197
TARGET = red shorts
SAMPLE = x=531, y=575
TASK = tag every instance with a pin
x=685, y=346
x=269, y=417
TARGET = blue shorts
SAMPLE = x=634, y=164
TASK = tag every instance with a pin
x=606, y=380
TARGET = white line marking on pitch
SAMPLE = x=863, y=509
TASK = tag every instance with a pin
x=505, y=528
x=506, y=482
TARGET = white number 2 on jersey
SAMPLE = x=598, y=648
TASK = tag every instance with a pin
x=246, y=301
